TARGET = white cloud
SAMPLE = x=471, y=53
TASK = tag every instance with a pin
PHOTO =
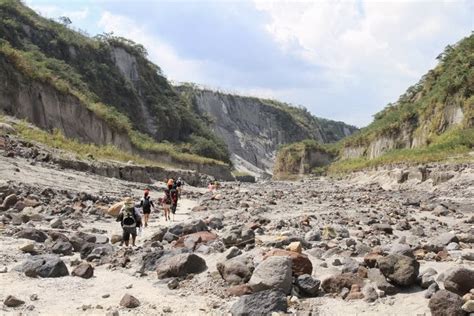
x=353, y=38
x=177, y=68
x=52, y=11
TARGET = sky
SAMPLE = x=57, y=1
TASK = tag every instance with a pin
x=341, y=59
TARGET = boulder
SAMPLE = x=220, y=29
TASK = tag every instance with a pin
x=439, y=242
x=129, y=301
x=180, y=265
x=62, y=247
x=232, y=252
x=272, y=273
x=159, y=233
x=335, y=283
x=237, y=235
x=236, y=270
x=355, y=293
x=468, y=306
x=300, y=262
x=12, y=301
x=370, y=294
x=295, y=247
x=190, y=241
x=56, y=223
x=150, y=260
x=9, y=202
x=386, y=228
x=402, y=249
x=459, y=281
x=307, y=286
x=100, y=251
x=45, y=266
x=314, y=235
x=401, y=270
x=28, y=247
x=380, y=281
x=83, y=270
x=194, y=226
x=446, y=303
x=261, y=303
x=32, y=234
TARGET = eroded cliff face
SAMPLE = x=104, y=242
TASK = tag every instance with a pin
x=253, y=130
x=49, y=109
x=409, y=136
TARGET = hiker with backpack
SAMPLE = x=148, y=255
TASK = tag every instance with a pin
x=130, y=220
x=166, y=202
x=146, y=204
x=179, y=186
x=174, y=199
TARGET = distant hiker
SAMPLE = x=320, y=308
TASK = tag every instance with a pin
x=130, y=220
x=179, y=186
x=167, y=201
x=146, y=204
x=174, y=200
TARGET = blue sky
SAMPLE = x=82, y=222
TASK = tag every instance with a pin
x=343, y=60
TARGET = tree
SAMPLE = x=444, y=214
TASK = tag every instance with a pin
x=64, y=20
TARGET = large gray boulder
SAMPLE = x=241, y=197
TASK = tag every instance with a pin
x=272, y=273
x=236, y=270
x=180, y=265
x=446, y=303
x=459, y=281
x=401, y=270
x=45, y=266
x=261, y=303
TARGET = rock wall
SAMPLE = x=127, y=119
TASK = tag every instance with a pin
x=253, y=130
x=409, y=136
x=45, y=107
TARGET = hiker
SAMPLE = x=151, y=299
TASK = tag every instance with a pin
x=174, y=199
x=146, y=204
x=130, y=220
x=179, y=186
x=167, y=201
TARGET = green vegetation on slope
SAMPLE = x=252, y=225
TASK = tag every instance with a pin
x=76, y=64
x=454, y=145
x=451, y=82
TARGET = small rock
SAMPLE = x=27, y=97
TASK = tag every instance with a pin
x=56, y=223
x=28, y=247
x=12, y=301
x=272, y=273
x=84, y=270
x=432, y=289
x=295, y=247
x=129, y=301
x=468, y=306
x=307, y=286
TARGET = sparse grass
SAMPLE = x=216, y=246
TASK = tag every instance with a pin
x=83, y=151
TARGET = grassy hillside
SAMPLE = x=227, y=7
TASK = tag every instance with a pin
x=451, y=82
x=147, y=107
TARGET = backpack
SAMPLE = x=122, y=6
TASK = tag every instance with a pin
x=168, y=199
x=174, y=196
x=129, y=222
x=146, y=203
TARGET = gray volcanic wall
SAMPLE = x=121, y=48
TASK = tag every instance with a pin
x=254, y=128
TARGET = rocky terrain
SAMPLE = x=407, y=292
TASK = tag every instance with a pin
x=394, y=241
